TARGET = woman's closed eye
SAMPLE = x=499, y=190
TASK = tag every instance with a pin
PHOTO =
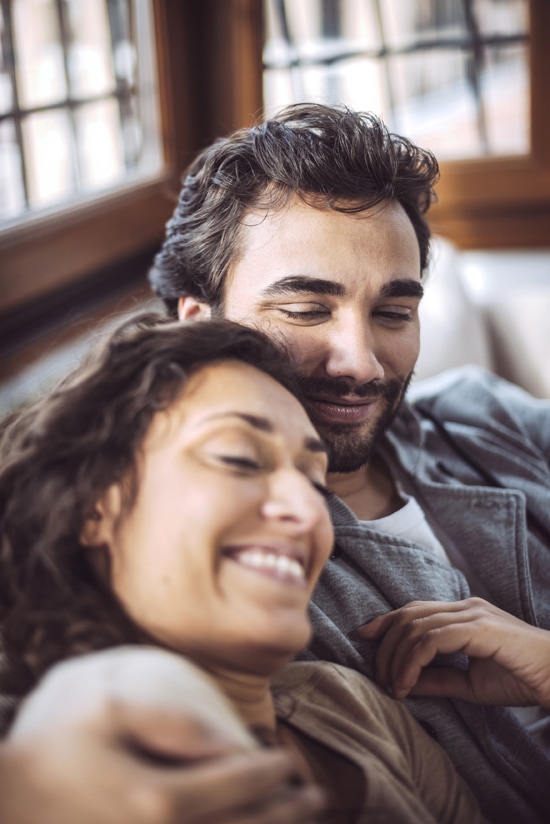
x=243, y=462
x=247, y=464
x=323, y=490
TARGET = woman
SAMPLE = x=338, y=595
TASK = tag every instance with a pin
x=171, y=494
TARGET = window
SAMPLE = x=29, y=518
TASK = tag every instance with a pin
x=466, y=78
x=77, y=108
x=99, y=208
x=451, y=75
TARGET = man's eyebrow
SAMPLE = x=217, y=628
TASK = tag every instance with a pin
x=404, y=288
x=298, y=283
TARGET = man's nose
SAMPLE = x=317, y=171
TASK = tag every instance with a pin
x=352, y=352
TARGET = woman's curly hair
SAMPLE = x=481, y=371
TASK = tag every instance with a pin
x=328, y=155
x=60, y=454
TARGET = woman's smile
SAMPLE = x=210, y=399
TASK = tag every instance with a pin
x=279, y=562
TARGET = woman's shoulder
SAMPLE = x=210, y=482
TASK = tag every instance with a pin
x=309, y=686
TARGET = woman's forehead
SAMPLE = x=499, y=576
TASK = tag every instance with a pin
x=235, y=389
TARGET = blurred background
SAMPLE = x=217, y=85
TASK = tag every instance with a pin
x=103, y=103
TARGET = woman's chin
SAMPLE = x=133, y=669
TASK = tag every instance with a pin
x=261, y=645
x=274, y=651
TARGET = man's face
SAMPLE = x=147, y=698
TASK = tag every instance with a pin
x=342, y=291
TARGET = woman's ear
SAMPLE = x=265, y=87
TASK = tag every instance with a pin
x=190, y=308
x=99, y=528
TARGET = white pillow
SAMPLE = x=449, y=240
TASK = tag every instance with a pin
x=519, y=323
x=452, y=328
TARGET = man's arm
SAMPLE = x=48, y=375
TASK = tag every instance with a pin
x=119, y=738
x=473, y=396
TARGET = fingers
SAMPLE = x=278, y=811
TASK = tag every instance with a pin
x=413, y=635
x=407, y=649
x=507, y=656
x=164, y=737
x=416, y=677
x=414, y=609
x=301, y=806
x=443, y=681
x=254, y=784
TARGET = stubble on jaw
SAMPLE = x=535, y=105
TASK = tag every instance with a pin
x=350, y=447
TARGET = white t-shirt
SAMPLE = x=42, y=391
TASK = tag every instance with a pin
x=410, y=522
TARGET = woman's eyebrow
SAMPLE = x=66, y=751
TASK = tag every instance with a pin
x=299, y=283
x=315, y=445
x=264, y=425
x=257, y=421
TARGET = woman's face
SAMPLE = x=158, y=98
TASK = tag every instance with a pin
x=221, y=551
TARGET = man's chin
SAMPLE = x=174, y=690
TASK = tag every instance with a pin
x=347, y=450
x=351, y=445
x=350, y=448
x=348, y=459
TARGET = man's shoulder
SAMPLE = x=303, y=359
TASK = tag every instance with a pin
x=474, y=395
x=460, y=380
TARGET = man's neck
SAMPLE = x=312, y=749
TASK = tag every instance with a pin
x=370, y=492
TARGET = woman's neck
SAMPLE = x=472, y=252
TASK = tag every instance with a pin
x=249, y=693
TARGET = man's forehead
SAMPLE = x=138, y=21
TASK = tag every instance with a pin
x=274, y=209
x=300, y=248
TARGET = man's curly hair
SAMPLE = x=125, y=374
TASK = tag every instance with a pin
x=332, y=157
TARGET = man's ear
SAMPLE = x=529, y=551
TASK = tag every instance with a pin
x=190, y=308
x=99, y=528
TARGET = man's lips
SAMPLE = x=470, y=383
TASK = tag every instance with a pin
x=344, y=410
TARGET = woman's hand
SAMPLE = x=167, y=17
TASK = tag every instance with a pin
x=509, y=659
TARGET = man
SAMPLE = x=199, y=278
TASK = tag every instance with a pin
x=312, y=227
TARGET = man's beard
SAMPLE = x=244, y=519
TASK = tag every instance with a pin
x=349, y=445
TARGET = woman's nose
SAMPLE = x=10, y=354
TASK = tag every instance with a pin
x=294, y=500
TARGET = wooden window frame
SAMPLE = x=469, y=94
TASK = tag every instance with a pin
x=209, y=80
x=504, y=202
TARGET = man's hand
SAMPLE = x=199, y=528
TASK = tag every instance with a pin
x=93, y=777
x=509, y=659
x=135, y=736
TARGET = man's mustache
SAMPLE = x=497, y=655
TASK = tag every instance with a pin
x=337, y=388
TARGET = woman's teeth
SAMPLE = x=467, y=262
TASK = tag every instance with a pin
x=281, y=564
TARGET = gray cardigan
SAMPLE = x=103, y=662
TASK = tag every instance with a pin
x=508, y=433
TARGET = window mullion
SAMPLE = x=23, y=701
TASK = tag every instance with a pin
x=66, y=39
x=474, y=65
x=9, y=51
x=383, y=55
